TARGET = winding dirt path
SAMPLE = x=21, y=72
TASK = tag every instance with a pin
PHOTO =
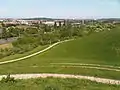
x=96, y=79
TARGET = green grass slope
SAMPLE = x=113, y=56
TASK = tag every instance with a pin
x=100, y=48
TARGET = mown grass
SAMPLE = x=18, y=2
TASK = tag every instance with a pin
x=56, y=84
x=99, y=48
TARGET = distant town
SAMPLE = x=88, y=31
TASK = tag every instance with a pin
x=51, y=22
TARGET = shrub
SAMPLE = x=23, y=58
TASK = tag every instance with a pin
x=8, y=79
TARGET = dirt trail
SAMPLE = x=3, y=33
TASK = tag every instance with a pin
x=96, y=79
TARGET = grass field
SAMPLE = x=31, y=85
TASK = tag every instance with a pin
x=100, y=48
x=56, y=84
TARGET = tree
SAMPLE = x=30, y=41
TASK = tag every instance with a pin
x=60, y=24
x=5, y=33
x=64, y=23
x=55, y=25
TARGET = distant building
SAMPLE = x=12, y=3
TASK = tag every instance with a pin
x=50, y=23
x=76, y=23
x=23, y=22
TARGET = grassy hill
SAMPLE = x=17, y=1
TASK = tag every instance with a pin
x=99, y=48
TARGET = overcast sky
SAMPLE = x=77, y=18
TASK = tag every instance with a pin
x=60, y=8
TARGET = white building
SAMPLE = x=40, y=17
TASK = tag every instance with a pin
x=50, y=23
x=23, y=22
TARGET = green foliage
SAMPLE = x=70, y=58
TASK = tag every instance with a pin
x=25, y=40
x=8, y=79
x=5, y=52
x=32, y=30
x=25, y=44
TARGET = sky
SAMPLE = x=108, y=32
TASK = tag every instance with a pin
x=60, y=8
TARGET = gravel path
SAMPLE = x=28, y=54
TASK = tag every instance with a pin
x=99, y=80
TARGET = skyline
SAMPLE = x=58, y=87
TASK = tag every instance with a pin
x=78, y=9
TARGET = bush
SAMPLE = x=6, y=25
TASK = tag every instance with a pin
x=8, y=79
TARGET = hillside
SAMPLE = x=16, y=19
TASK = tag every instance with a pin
x=100, y=48
x=94, y=55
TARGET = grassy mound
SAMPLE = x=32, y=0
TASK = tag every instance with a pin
x=101, y=48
